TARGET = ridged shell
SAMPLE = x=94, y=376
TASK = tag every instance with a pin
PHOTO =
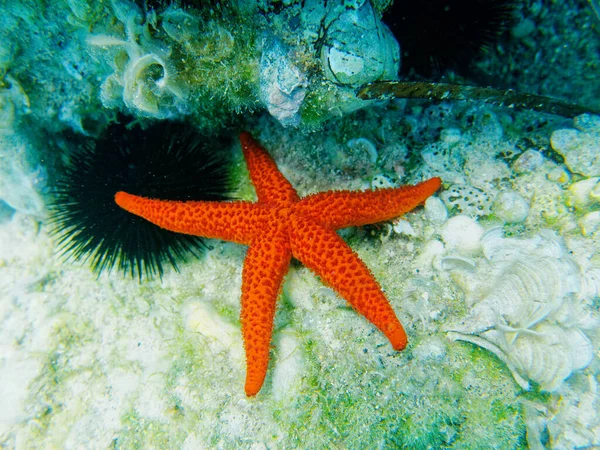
x=531, y=314
x=550, y=355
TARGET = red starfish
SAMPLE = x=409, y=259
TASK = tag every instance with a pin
x=281, y=225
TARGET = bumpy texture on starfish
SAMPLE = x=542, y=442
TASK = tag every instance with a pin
x=281, y=225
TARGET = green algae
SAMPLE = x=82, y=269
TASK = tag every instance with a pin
x=138, y=432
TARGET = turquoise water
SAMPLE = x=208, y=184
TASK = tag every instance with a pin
x=495, y=278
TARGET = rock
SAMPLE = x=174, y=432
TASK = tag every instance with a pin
x=450, y=136
x=511, y=207
x=282, y=84
x=583, y=193
x=580, y=149
x=589, y=223
x=559, y=175
x=359, y=48
x=528, y=161
x=587, y=123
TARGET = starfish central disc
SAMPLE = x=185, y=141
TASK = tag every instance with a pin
x=279, y=226
x=283, y=213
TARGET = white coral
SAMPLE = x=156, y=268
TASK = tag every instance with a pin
x=533, y=309
x=145, y=79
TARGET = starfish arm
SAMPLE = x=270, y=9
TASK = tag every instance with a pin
x=270, y=184
x=324, y=252
x=230, y=221
x=265, y=266
x=340, y=209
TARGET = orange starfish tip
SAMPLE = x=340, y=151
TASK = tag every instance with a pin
x=121, y=199
x=252, y=387
x=397, y=338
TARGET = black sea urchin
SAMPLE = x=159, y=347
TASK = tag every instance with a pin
x=166, y=160
x=437, y=35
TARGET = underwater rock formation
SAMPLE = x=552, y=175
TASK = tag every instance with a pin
x=358, y=48
x=580, y=146
x=282, y=83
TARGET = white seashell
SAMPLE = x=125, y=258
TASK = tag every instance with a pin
x=463, y=234
x=532, y=314
x=581, y=349
x=435, y=210
x=430, y=255
x=486, y=344
x=495, y=247
x=148, y=84
x=532, y=289
x=590, y=284
x=111, y=91
x=551, y=355
x=180, y=25
x=457, y=263
x=542, y=358
x=214, y=44
x=551, y=245
x=404, y=227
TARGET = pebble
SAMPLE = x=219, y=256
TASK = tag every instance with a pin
x=450, y=135
x=435, y=210
x=511, y=207
x=463, y=234
x=528, y=161
x=583, y=193
x=580, y=149
x=590, y=223
x=587, y=123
